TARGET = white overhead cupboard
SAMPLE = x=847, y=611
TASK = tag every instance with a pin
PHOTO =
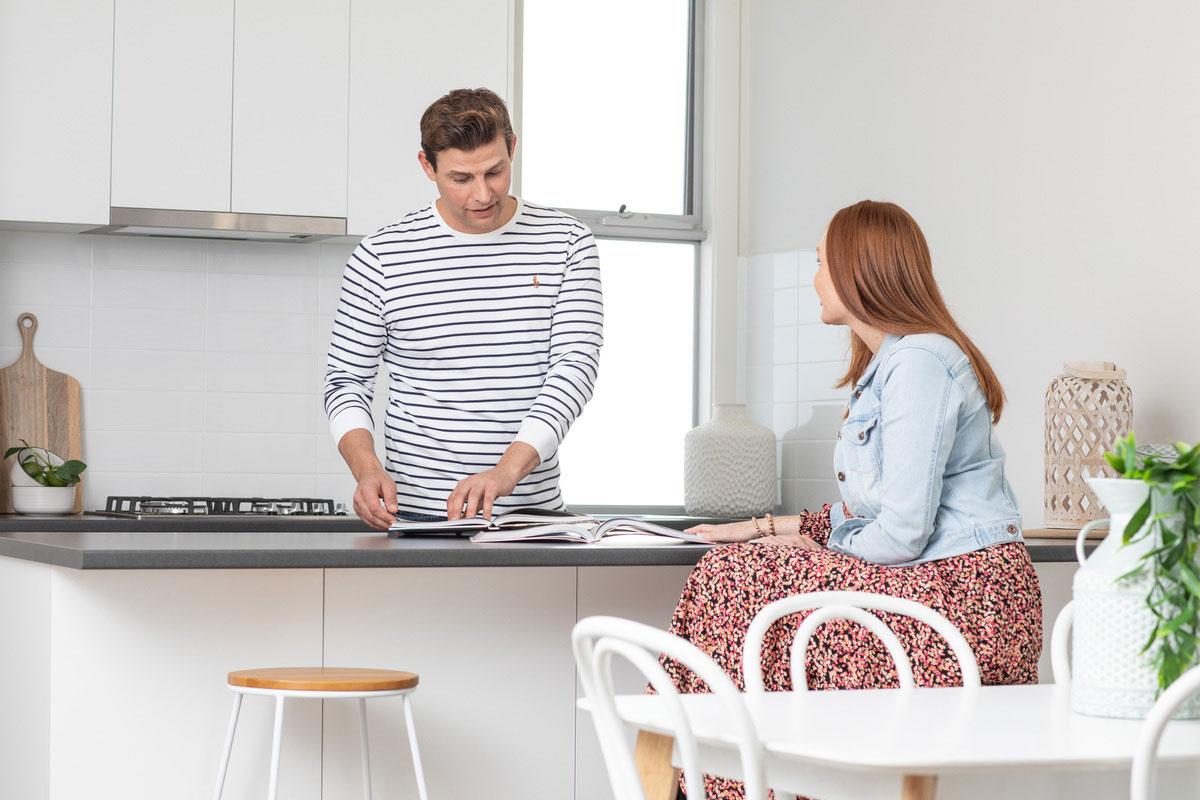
x=286, y=107
x=55, y=110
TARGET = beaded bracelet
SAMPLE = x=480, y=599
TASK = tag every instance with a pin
x=758, y=530
x=770, y=525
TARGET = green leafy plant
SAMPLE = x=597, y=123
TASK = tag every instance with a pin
x=1174, y=596
x=37, y=466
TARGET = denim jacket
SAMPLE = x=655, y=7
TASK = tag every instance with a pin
x=917, y=461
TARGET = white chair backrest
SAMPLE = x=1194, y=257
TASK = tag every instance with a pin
x=1060, y=644
x=851, y=606
x=1141, y=782
x=596, y=640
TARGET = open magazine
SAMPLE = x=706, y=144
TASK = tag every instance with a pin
x=617, y=531
x=516, y=518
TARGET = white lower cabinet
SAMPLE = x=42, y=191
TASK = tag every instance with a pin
x=113, y=682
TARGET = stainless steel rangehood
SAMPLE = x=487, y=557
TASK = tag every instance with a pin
x=220, y=225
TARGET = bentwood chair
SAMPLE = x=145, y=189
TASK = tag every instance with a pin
x=596, y=640
x=852, y=606
x=1141, y=782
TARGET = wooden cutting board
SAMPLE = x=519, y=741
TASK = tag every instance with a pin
x=40, y=406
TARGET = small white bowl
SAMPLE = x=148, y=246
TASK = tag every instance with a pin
x=22, y=478
x=43, y=499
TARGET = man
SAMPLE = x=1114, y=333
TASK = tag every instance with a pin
x=488, y=314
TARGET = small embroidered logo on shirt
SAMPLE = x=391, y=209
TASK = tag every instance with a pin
x=535, y=281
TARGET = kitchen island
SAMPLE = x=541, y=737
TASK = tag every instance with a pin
x=119, y=639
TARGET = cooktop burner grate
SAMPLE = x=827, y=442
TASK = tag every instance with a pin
x=262, y=506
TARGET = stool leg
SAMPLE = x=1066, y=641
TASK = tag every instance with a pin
x=412, y=741
x=366, y=747
x=273, y=787
x=233, y=718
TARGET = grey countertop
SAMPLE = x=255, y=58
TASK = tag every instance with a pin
x=274, y=543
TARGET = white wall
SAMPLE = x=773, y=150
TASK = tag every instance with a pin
x=1048, y=150
x=201, y=363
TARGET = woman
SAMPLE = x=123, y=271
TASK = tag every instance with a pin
x=926, y=511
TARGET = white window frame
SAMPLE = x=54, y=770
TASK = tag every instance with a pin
x=624, y=224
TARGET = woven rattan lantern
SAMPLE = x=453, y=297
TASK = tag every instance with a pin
x=1087, y=410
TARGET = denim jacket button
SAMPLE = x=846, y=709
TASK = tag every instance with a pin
x=841, y=476
x=1012, y=528
x=861, y=436
x=858, y=394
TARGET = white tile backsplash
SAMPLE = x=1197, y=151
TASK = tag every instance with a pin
x=201, y=362
x=262, y=332
x=792, y=362
x=291, y=294
x=148, y=370
x=45, y=249
x=144, y=288
x=46, y=285
x=57, y=326
x=269, y=258
x=246, y=412
x=260, y=453
x=136, y=252
x=786, y=311
x=142, y=451
x=265, y=372
x=147, y=329
x=119, y=410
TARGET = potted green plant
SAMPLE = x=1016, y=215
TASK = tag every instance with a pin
x=1169, y=521
x=42, y=482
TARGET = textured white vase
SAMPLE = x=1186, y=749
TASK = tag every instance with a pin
x=729, y=466
x=1110, y=676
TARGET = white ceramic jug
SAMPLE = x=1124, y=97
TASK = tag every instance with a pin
x=1110, y=676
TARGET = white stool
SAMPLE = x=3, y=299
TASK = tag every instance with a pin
x=322, y=682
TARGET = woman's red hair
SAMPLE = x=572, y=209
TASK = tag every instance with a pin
x=879, y=263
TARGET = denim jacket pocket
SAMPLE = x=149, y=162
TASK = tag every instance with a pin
x=863, y=453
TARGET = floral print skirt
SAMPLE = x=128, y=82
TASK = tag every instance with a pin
x=990, y=595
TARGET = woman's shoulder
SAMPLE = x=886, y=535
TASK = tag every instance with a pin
x=920, y=346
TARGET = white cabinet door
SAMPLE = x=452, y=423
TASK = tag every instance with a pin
x=172, y=104
x=224, y=106
x=291, y=61
x=55, y=110
x=403, y=56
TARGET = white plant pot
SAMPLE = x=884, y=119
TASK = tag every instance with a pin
x=43, y=499
x=1110, y=676
x=729, y=466
x=20, y=477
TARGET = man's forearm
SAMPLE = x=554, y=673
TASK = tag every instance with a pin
x=357, y=447
x=519, y=460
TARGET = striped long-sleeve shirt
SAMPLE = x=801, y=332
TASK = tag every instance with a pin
x=487, y=339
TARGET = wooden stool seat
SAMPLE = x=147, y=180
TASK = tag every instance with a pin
x=324, y=679
x=322, y=683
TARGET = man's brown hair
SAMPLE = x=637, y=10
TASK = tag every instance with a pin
x=881, y=270
x=464, y=119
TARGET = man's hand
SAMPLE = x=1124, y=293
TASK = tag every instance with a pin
x=373, y=487
x=375, y=497
x=475, y=494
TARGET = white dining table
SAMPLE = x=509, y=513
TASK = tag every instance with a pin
x=1011, y=741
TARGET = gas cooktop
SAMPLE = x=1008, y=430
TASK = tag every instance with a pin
x=129, y=507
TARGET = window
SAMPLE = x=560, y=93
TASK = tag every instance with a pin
x=606, y=132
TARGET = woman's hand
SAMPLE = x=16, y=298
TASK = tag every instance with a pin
x=746, y=532
x=729, y=532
